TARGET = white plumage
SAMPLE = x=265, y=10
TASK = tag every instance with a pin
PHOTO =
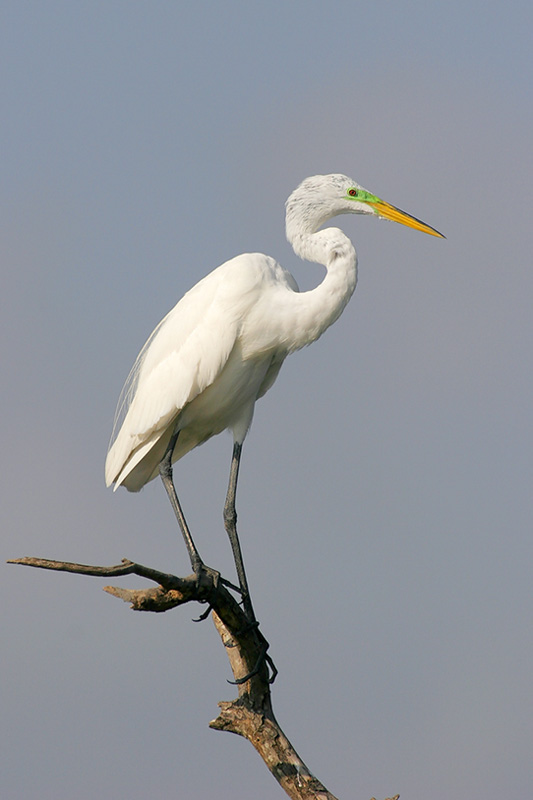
x=202, y=369
x=221, y=347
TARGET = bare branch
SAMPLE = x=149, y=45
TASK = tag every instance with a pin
x=125, y=568
x=251, y=714
x=252, y=717
x=156, y=599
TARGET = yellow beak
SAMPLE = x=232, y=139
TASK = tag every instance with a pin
x=387, y=211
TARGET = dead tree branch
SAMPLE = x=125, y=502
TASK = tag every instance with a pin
x=250, y=715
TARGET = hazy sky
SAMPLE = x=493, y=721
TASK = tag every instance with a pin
x=385, y=502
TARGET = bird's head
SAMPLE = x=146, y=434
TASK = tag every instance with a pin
x=321, y=197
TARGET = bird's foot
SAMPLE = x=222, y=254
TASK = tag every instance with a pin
x=262, y=659
x=250, y=626
x=209, y=578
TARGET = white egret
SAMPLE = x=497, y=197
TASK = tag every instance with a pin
x=222, y=346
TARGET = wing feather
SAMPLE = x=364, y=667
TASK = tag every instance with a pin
x=181, y=358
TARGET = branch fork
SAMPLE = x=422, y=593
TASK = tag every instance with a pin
x=250, y=715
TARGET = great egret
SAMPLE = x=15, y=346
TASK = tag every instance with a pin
x=222, y=346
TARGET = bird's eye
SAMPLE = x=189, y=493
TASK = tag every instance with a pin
x=352, y=192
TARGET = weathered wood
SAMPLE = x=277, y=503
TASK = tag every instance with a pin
x=250, y=715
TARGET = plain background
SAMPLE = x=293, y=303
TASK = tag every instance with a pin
x=385, y=501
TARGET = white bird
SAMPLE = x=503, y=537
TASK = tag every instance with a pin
x=221, y=348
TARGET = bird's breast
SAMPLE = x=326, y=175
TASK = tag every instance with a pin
x=222, y=404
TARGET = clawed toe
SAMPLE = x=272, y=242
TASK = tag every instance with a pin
x=263, y=658
x=213, y=575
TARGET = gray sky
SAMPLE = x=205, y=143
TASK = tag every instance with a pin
x=385, y=502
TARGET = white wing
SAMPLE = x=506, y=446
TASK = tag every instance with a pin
x=183, y=356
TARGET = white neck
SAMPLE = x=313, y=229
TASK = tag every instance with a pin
x=319, y=308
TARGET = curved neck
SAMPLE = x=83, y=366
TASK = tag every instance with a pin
x=319, y=308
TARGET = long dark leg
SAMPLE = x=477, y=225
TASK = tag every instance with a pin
x=230, y=523
x=165, y=470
